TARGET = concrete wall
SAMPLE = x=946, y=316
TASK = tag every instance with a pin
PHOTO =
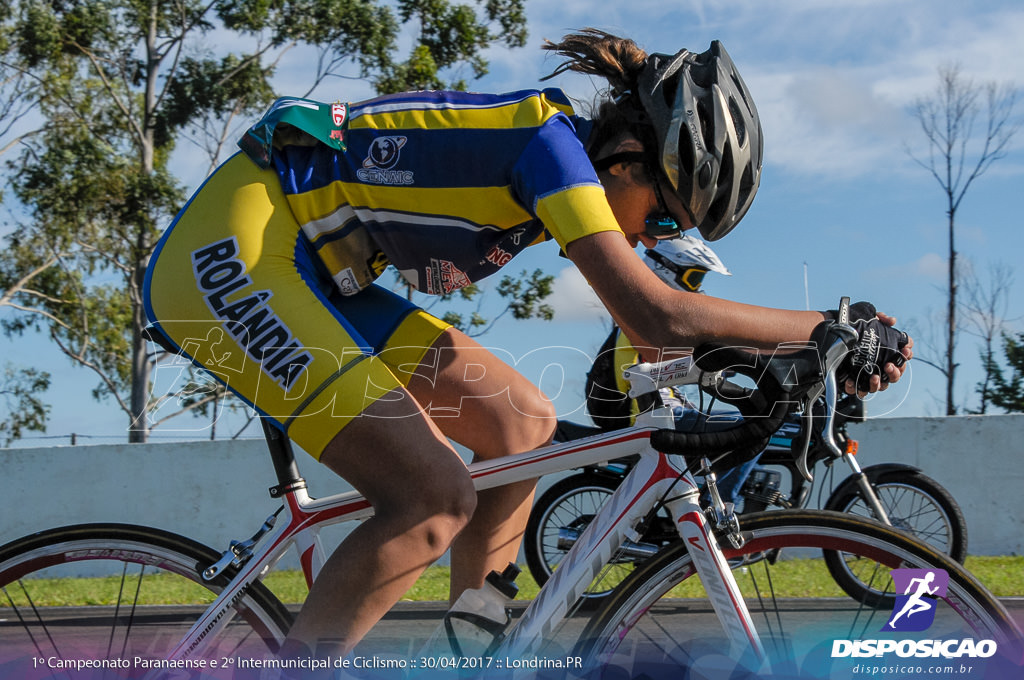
x=978, y=459
x=216, y=491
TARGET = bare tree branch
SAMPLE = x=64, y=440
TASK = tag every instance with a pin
x=947, y=119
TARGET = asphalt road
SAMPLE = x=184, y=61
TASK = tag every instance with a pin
x=399, y=638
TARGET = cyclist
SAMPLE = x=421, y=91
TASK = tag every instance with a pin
x=266, y=279
x=681, y=263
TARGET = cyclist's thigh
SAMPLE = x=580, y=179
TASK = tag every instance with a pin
x=479, y=400
x=234, y=286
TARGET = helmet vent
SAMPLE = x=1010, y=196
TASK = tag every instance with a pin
x=704, y=176
x=706, y=123
x=737, y=121
x=685, y=147
x=740, y=88
x=726, y=169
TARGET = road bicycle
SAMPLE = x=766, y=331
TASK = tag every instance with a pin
x=755, y=632
x=898, y=495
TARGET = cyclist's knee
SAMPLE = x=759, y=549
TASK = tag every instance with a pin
x=436, y=512
x=533, y=424
x=537, y=426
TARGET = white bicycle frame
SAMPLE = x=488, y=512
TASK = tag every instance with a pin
x=655, y=478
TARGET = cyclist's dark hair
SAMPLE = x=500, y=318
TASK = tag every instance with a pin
x=620, y=61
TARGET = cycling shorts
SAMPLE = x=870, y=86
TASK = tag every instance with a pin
x=237, y=287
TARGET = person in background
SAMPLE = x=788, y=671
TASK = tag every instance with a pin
x=683, y=264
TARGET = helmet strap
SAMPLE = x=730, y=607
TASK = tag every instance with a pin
x=621, y=157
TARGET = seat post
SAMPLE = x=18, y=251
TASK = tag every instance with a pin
x=283, y=457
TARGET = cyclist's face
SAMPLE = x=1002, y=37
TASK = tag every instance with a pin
x=633, y=200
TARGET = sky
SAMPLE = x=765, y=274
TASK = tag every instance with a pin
x=843, y=208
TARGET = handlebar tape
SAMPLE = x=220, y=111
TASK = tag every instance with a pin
x=751, y=433
x=771, y=399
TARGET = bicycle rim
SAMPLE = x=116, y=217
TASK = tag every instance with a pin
x=644, y=629
x=100, y=592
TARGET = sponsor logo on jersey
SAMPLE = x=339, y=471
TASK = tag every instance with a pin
x=498, y=256
x=247, y=315
x=338, y=114
x=444, y=277
x=378, y=263
x=347, y=282
x=378, y=166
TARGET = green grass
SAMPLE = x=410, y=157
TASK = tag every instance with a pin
x=1004, y=576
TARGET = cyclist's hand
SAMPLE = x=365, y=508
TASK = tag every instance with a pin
x=858, y=310
x=879, y=357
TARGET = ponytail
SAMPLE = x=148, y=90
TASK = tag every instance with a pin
x=594, y=52
x=620, y=61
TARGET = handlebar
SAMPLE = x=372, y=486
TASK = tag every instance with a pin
x=795, y=375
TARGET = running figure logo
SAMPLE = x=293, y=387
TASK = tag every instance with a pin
x=915, y=608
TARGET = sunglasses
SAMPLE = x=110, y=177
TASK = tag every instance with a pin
x=660, y=225
x=689, y=278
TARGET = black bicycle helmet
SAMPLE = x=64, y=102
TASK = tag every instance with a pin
x=708, y=134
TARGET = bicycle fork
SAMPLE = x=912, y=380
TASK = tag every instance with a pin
x=715, y=573
x=654, y=477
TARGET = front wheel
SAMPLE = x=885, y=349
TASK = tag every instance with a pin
x=100, y=591
x=914, y=503
x=802, y=618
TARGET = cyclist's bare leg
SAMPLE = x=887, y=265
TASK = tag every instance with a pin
x=487, y=406
x=422, y=497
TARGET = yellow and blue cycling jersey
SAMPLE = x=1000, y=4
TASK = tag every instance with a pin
x=446, y=186
x=265, y=278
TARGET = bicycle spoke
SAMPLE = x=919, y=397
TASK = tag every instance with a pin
x=796, y=630
x=129, y=569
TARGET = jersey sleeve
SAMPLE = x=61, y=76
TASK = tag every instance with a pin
x=556, y=181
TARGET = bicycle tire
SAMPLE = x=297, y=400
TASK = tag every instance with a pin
x=127, y=624
x=571, y=503
x=915, y=503
x=630, y=636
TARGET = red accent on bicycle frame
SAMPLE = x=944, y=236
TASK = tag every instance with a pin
x=644, y=434
x=663, y=471
x=698, y=521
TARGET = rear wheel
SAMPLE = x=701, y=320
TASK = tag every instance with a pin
x=643, y=628
x=100, y=591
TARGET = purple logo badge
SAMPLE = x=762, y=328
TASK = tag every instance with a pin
x=915, y=607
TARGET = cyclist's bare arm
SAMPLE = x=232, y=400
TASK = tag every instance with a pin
x=655, y=315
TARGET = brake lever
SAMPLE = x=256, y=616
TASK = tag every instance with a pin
x=845, y=336
x=808, y=431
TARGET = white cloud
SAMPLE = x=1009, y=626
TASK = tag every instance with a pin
x=929, y=266
x=573, y=299
x=828, y=121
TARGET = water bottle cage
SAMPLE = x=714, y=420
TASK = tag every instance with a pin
x=493, y=628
